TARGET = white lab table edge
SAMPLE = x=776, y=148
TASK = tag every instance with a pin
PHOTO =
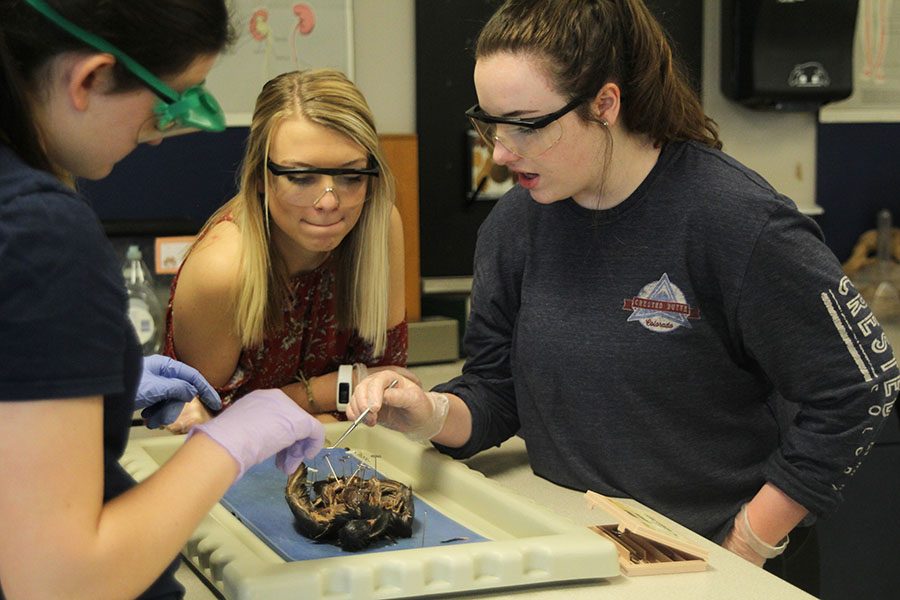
x=728, y=576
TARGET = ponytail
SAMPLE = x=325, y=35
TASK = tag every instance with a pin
x=17, y=129
x=657, y=98
x=587, y=43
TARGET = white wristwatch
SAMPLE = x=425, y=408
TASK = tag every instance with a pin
x=344, y=387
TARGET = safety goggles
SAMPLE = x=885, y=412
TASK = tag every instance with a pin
x=174, y=114
x=306, y=186
x=528, y=138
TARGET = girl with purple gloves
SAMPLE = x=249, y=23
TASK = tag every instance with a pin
x=82, y=83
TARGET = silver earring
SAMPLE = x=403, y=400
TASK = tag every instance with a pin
x=605, y=123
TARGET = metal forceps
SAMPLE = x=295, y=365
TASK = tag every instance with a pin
x=358, y=420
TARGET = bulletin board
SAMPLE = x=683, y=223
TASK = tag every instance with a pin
x=876, y=67
x=274, y=37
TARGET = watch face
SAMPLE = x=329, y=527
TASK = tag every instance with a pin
x=343, y=396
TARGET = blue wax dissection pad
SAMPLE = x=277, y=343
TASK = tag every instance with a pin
x=257, y=500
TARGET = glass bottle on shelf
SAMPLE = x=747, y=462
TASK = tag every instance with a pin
x=144, y=308
x=885, y=300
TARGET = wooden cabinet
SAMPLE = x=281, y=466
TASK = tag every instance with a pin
x=402, y=154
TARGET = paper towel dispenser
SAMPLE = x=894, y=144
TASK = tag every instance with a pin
x=787, y=54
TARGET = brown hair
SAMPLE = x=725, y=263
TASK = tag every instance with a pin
x=164, y=36
x=587, y=43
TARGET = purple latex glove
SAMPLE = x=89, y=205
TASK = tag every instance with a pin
x=262, y=423
x=164, y=388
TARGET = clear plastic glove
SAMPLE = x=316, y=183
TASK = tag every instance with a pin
x=406, y=407
x=744, y=542
x=263, y=423
x=166, y=385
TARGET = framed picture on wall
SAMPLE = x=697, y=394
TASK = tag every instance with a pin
x=277, y=36
x=487, y=180
x=170, y=253
x=876, y=68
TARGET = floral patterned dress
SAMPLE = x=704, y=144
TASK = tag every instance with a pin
x=308, y=342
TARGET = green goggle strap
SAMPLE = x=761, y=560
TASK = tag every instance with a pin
x=160, y=88
x=195, y=107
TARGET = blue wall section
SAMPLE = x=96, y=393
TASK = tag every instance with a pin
x=858, y=173
x=182, y=181
x=175, y=185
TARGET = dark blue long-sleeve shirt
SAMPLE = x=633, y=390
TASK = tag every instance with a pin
x=681, y=348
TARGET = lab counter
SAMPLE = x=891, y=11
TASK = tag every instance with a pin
x=728, y=576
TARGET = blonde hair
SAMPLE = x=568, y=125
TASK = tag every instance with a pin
x=325, y=97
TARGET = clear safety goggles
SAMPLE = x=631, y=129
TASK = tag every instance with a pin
x=306, y=186
x=528, y=138
x=174, y=114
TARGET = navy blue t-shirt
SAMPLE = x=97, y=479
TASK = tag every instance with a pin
x=64, y=330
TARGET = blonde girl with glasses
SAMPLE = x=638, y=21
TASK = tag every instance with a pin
x=652, y=317
x=302, y=271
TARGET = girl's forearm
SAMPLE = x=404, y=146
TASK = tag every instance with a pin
x=773, y=514
x=458, y=426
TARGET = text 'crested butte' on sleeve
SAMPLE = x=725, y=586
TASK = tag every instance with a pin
x=818, y=342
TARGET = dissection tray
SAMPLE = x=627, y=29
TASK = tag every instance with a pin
x=524, y=543
x=257, y=500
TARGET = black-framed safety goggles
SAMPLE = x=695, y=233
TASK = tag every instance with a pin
x=475, y=113
x=371, y=170
x=527, y=137
x=308, y=185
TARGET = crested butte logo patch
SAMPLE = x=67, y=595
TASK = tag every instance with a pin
x=660, y=306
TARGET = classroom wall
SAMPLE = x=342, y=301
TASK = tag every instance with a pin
x=844, y=169
x=385, y=55
x=843, y=173
x=172, y=188
x=780, y=146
